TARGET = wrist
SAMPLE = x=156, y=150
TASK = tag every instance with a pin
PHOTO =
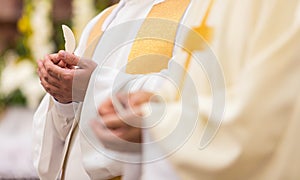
x=61, y=101
x=65, y=109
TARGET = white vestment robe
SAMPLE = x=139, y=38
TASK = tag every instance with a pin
x=53, y=121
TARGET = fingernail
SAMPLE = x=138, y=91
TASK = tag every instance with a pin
x=65, y=55
x=62, y=54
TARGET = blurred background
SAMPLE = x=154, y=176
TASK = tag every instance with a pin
x=29, y=29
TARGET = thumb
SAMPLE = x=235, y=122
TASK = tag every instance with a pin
x=68, y=58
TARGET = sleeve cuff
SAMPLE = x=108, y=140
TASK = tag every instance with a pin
x=66, y=110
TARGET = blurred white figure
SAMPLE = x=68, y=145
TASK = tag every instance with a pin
x=257, y=44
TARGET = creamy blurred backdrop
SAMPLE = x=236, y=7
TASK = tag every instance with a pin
x=29, y=29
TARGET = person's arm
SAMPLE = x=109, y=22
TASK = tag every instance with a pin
x=50, y=129
x=52, y=123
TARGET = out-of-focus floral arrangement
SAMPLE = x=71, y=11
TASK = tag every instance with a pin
x=19, y=82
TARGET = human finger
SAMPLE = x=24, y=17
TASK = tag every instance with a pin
x=113, y=121
x=55, y=92
x=51, y=89
x=44, y=75
x=54, y=58
x=40, y=66
x=62, y=64
x=123, y=99
x=58, y=72
x=41, y=70
x=132, y=117
x=106, y=107
x=111, y=140
x=68, y=58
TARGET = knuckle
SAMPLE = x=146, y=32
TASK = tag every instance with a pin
x=48, y=70
x=45, y=85
x=46, y=78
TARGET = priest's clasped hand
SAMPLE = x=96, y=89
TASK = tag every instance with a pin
x=121, y=132
x=65, y=76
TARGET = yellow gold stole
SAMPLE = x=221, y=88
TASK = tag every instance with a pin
x=96, y=33
x=153, y=47
x=193, y=44
x=154, y=43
